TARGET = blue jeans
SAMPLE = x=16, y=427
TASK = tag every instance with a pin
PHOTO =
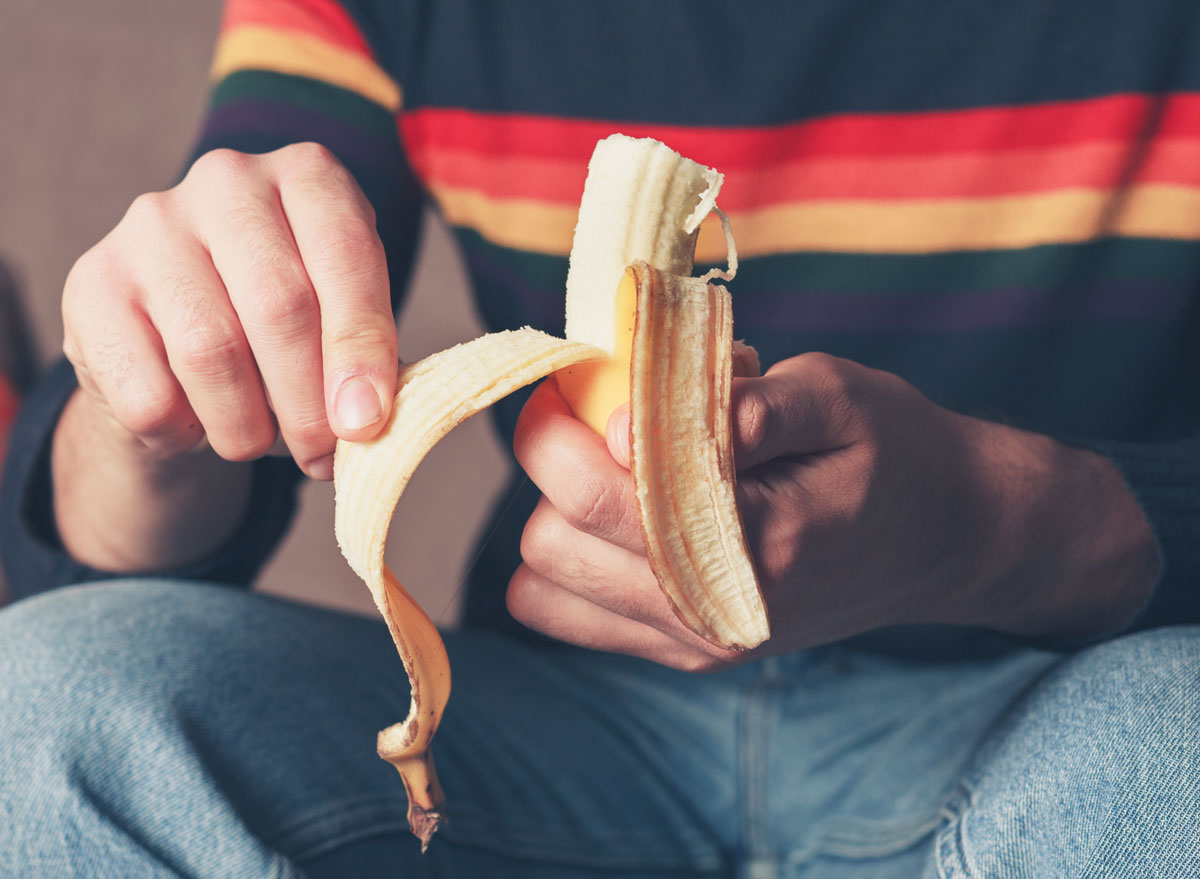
x=154, y=729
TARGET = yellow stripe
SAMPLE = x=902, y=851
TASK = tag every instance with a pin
x=255, y=47
x=909, y=226
x=519, y=223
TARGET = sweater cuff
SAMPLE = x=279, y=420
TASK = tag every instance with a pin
x=32, y=553
x=1164, y=478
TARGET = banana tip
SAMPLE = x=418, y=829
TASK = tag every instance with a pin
x=424, y=824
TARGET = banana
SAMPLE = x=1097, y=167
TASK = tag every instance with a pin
x=652, y=329
x=434, y=396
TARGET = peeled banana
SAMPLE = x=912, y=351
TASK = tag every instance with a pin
x=635, y=322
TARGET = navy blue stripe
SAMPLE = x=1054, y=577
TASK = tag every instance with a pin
x=733, y=62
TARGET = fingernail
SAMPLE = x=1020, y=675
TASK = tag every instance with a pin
x=322, y=468
x=618, y=435
x=357, y=405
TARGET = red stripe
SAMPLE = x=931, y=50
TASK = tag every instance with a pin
x=9, y=403
x=1091, y=166
x=326, y=20
x=1117, y=118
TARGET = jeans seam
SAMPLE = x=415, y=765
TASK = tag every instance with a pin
x=875, y=839
x=283, y=868
x=531, y=843
x=329, y=827
x=752, y=764
x=950, y=852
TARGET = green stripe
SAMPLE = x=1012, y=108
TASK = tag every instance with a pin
x=1054, y=265
x=309, y=94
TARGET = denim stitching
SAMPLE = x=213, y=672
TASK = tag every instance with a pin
x=282, y=868
x=874, y=839
x=350, y=820
x=623, y=851
x=950, y=849
x=338, y=823
x=753, y=752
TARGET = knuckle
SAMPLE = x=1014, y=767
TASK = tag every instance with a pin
x=220, y=166
x=837, y=379
x=71, y=350
x=211, y=351
x=843, y=387
x=150, y=412
x=252, y=229
x=90, y=286
x=752, y=418
x=824, y=371
x=309, y=438
x=350, y=248
x=95, y=264
x=248, y=443
x=307, y=156
x=366, y=338
x=593, y=509
x=149, y=211
x=292, y=308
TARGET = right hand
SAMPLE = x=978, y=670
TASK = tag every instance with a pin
x=248, y=304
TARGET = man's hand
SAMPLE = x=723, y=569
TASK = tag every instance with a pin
x=247, y=305
x=866, y=505
x=251, y=300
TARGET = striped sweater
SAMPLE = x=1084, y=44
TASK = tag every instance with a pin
x=999, y=202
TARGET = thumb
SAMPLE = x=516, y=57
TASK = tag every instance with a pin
x=800, y=407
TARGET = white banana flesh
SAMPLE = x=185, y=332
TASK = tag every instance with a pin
x=641, y=201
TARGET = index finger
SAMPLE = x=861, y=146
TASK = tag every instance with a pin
x=572, y=467
x=334, y=228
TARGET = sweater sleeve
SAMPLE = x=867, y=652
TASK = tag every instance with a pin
x=284, y=71
x=1164, y=477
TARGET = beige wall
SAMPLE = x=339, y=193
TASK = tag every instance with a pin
x=99, y=102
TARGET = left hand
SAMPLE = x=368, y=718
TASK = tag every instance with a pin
x=865, y=505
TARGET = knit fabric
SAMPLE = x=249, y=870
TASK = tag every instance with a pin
x=999, y=203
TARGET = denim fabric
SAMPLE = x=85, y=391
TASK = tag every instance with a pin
x=155, y=729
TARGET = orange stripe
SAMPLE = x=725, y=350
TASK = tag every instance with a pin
x=1093, y=166
x=325, y=19
x=254, y=47
x=870, y=226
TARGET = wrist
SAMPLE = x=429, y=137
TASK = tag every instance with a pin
x=120, y=506
x=1071, y=554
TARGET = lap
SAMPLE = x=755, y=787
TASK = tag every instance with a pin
x=1093, y=772
x=234, y=716
x=204, y=714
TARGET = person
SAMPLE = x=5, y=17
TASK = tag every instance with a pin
x=970, y=475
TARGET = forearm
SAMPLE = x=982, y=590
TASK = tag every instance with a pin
x=1075, y=556
x=118, y=508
